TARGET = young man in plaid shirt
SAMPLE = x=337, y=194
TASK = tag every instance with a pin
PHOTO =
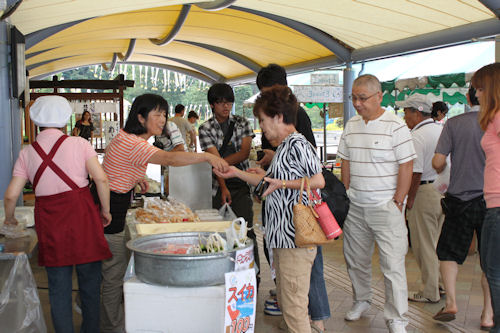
x=233, y=191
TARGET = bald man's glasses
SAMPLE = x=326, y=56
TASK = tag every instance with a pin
x=362, y=99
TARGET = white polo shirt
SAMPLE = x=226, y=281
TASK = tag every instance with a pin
x=425, y=138
x=375, y=150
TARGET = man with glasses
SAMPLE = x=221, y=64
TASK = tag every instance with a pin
x=229, y=136
x=377, y=155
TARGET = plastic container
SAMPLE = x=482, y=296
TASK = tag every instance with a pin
x=150, y=308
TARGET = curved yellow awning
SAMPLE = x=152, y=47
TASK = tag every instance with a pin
x=231, y=44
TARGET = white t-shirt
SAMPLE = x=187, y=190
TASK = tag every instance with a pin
x=425, y=138
x=375, y=150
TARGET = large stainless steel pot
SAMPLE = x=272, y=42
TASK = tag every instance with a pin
x=186, y=270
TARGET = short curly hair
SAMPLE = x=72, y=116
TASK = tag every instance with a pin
x=277, y=100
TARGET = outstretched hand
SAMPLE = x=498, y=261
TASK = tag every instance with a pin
x=231, y=172
x=257, y=171
x=218, y=163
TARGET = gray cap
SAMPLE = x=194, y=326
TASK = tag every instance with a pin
x=420, y=102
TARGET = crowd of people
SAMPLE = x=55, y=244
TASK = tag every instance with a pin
x=389, y=165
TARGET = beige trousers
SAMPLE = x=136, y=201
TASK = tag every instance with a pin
x=425, y=220
x=384, y=224
x=113, y=271
x=293, y=274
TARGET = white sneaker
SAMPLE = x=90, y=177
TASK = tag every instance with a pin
x=358, y=308
x=397, y=326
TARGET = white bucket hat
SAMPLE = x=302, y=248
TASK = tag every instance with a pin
x=420, y=102
x=50, y=111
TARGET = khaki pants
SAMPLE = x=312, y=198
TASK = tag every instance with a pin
x=113, y=271
x=293, y=274
x=425, y=220
x=385, y=225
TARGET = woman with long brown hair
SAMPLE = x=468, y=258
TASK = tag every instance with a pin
x=486, y=81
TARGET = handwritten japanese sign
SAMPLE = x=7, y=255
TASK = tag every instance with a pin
x=241, y=298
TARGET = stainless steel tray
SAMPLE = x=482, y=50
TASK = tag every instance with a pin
x=186, y=270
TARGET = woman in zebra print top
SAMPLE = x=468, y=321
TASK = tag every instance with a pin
x=295, y=158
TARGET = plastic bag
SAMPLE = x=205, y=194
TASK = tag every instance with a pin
x=13, y=231
x=20, y=308
x=227, y=213
x=443, y=180
x=130, y=272
x=236, y=234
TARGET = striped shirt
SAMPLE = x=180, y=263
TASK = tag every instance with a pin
x=375, y=150
x=126, y=161
x=295, y=158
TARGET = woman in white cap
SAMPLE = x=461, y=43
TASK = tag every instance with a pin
x=68, y=223
x=125, y=162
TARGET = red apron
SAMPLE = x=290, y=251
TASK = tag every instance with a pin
x=68, y=224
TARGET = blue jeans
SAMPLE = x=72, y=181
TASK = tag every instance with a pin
x=490, y=247
x=60, y=288
x=319, y=308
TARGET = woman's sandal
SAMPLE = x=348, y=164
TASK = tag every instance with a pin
x=444, y=316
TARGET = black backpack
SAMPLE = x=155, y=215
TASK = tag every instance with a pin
x=335, y=196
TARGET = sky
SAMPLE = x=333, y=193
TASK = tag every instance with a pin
x=456, y=59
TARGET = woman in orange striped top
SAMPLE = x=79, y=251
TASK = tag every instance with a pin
x=125, y=164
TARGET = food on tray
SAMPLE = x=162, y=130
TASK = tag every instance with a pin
x=212, y=244
x=174, y=249
x=164, y=211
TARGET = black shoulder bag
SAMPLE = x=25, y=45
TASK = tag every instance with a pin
x=227, y=137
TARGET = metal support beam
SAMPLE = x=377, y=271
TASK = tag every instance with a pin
x=175, y=30
x=112, y=65
x=40, y=35
x=130, y=50
x=349, y=111
x=239, y=58
x=493, y=5
x=433, y=40
x=215, y=5
x=302, y=67
x=10, y=115
x=192, y=73
x=217, y=77
x=497, y=48
x=315, y=34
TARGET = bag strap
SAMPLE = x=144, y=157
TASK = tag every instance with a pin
x=305, y=181
x=227, y=137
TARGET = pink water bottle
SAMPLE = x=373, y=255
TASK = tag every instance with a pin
x=326, y=219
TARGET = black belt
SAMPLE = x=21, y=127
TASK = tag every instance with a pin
x=422, y=182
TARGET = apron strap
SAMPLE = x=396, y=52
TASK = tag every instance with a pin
x=47, y=162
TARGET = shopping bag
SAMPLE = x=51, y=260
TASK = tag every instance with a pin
x=227, y=213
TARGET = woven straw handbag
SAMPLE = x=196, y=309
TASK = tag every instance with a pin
x=308, y=232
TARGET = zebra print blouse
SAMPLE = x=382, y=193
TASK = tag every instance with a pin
x=295, y=158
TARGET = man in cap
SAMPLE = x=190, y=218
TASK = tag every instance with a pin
x=69, y=225
x=424, y=213
x=377, y=162
x=463, y=206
